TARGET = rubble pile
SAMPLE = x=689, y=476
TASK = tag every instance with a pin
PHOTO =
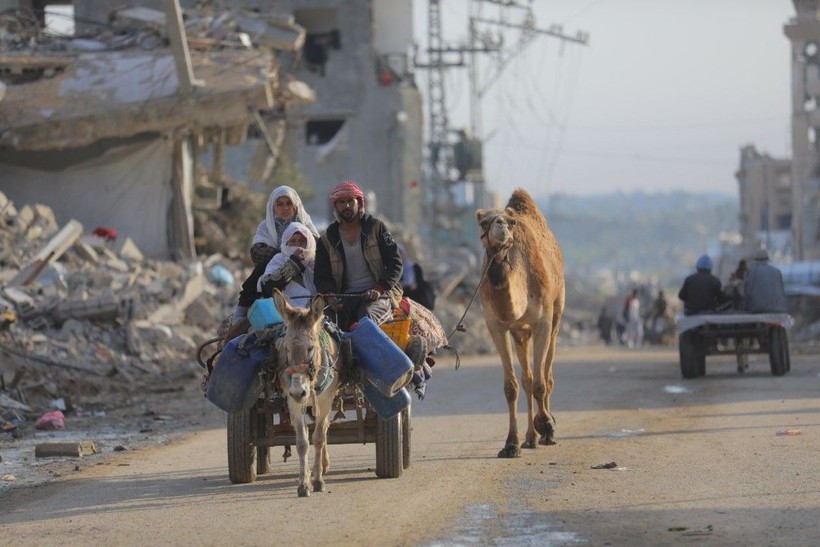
x=86, y=319
x=208, y=27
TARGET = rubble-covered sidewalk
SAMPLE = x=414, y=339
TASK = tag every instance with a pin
x=87, y=322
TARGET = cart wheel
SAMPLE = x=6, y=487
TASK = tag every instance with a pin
x=242, y=428
x=405, y=437
x=262, y=452
x=389, y=447
x=778, y=351
x=692, y=361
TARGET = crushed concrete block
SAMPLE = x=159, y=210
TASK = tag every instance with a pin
x=8, y=402
x=113, y=261
x=45, y=216
x=6, y=207
x=155, y=287
x=170, y=270
x=53, y=250
x=22, y=301
x=147, y=17
x=276, y=37
x=201, y=313
x=6, y=275
x=74, y=328
x=153, y=332
x=133, y=340
x=166, y=314
x=86, y=252
x=127, y=249
x=95, y=242
x=66, y=449
x=25, y=217
x=103, y=307
x=183, y=343
x=193, y=289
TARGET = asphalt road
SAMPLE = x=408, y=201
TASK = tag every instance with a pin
x=695, y=462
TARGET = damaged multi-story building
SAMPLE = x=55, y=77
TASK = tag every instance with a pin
x=105, y=126
x=804, y=33
x=765, y=191
x=780, y=197
x=366, y=124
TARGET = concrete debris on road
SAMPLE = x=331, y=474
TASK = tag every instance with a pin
x=68, y=449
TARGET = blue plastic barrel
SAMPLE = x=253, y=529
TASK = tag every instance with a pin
x=263, y=313
x=234, y=384
x=383, y=362
x=385, y=407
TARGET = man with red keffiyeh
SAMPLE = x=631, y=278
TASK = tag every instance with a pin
x=357, y=257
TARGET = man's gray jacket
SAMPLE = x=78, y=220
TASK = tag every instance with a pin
x=764, y=289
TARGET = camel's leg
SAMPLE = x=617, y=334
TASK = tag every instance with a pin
x=544, y=350
x=521, y=339
x=302, y=445
x=502, y=344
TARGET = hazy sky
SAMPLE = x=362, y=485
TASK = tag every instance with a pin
x=661, y=99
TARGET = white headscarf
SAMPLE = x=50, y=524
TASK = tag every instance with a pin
x=293, y=288
x=266, y=231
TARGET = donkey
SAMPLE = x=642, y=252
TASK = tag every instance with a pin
x=309, y=374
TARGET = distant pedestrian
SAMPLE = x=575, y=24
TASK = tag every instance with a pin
x=634, y=321
x=605, y=321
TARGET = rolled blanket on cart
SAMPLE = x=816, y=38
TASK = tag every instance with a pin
x=424, y=324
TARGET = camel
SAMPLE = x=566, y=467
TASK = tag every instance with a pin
x=523, y=299
x=309, y=375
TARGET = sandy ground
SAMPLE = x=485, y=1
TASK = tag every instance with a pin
x=696, y=461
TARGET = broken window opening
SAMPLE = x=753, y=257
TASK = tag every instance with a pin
x=321, y=35
x=322, y=131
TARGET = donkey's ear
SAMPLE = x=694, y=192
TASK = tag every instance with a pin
x=317, y=306
x=281, y=303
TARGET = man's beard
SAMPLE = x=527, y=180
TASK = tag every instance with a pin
x=348, y=215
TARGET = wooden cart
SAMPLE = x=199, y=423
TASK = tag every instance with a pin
x=253, y=433
x=731, y=333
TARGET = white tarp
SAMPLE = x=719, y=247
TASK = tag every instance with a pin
x=127, y=188
x=686, y=322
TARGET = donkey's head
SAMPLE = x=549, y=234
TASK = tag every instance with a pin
x=301, y=343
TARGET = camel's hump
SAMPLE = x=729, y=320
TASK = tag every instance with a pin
x=522, y=203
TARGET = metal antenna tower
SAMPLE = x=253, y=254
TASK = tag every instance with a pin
x=442, y=175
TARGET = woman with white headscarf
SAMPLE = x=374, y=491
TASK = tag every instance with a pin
x=291, y=270
x=284, y=206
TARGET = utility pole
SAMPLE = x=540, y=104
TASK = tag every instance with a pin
x=179, y=45
x=449, y=216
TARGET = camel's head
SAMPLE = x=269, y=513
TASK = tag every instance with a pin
x=301, y=344
x=496, y=229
